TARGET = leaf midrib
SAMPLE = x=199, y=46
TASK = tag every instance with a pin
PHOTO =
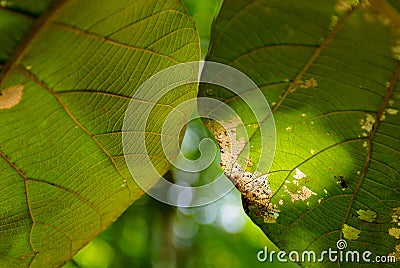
x=30, y=36
x=314, y=57
x=70, y=115
x=293, y=84
x=300, y=75
x=378, y=117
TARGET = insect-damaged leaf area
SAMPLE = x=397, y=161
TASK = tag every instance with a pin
x=63, y=94
x=330, y=73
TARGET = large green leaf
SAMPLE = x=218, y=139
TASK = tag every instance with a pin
x=330, y=72
x=63, y=96
x=15, y=20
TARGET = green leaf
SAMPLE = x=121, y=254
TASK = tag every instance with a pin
x=63, y=96
x=16, y=18
x=330, y=71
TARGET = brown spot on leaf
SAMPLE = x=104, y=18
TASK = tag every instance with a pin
x=303, y=194
x=11, y=96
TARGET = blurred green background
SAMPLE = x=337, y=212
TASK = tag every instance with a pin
x=152, y=234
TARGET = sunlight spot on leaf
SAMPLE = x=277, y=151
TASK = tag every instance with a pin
x=125, y=184
x=392, y=111
x=350, y=233
x=396, y=216
x=367, y=215
x=343, y=6
x=98, y=253
x=299, y=174
x=312, y=151
x=396, y=50
x=334, y=20
x=309, y=83
x=288, y=128
x=395, y=232
x=367, y=123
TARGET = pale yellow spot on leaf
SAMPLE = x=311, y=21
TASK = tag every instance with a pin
x=367, y=123
x=309, y=83
x=396, y=50
x=343, y=6
x=392, y=111
x=395, y=232
x=396, y=215
x=367, y=215
x=334, y=20
x=350, y=233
